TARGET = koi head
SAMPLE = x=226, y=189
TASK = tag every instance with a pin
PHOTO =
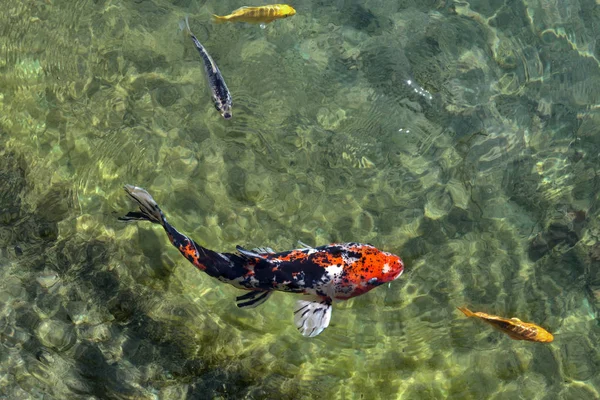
x=287, y=11
x=390, y=268
x=371, y=268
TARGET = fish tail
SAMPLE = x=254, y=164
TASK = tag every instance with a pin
x=466, y=311
x=184, y=25
x=217, y=19
x=149, y=210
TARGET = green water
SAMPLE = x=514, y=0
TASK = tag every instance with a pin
x=462, y=136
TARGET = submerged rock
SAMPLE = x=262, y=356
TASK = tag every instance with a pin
x=56, y=334
x=47, y=304
x=47, y=279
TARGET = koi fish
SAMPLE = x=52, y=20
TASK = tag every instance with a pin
x=322, y=274
x=257, y=15
x=219, y=93
x=514, y=327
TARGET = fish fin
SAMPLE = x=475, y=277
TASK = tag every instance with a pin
x=263, y=250
x=304, y=245
x=252, y=299
x=217, y=19
x=248, y=253
x=149, y=210
x=133, y=216
x=184, y=25
x=239, y=9
x=466, y=311
x=312, y=316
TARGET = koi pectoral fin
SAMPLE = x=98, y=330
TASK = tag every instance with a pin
x=312, y=317
x=252, y=299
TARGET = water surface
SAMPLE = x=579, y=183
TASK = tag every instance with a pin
x=462, y=136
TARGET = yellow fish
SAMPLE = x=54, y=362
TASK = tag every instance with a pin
x=514, y=327
x=257, y=15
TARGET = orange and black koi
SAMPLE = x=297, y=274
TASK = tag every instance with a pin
x=335, y=271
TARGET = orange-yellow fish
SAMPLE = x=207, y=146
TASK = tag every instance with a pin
x=257, y=15
x=514, y=327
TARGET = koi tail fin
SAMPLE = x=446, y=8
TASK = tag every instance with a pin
x=184, y=25
x=466, y=311
x=218, y=19
x=149, y=210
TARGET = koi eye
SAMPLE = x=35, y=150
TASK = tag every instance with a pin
x=217, y=107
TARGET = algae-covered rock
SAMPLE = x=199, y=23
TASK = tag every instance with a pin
x=330, y=119
x=48, y=279
x=438, y=205
x=47, y=304
x=56, y=334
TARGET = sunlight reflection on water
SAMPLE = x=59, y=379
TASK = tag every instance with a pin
x=462, y=137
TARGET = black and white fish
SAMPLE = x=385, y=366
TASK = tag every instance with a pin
x=219, y=93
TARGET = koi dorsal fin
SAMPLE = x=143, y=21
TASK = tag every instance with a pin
x=248, y=253
x=312, y=317
x=304, y=245
x=252, y=299
x=263, y=250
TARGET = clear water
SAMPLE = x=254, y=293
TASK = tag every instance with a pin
x=462, y=136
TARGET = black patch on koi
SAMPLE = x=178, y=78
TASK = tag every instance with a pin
x=354, y=254
x=216, y=265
